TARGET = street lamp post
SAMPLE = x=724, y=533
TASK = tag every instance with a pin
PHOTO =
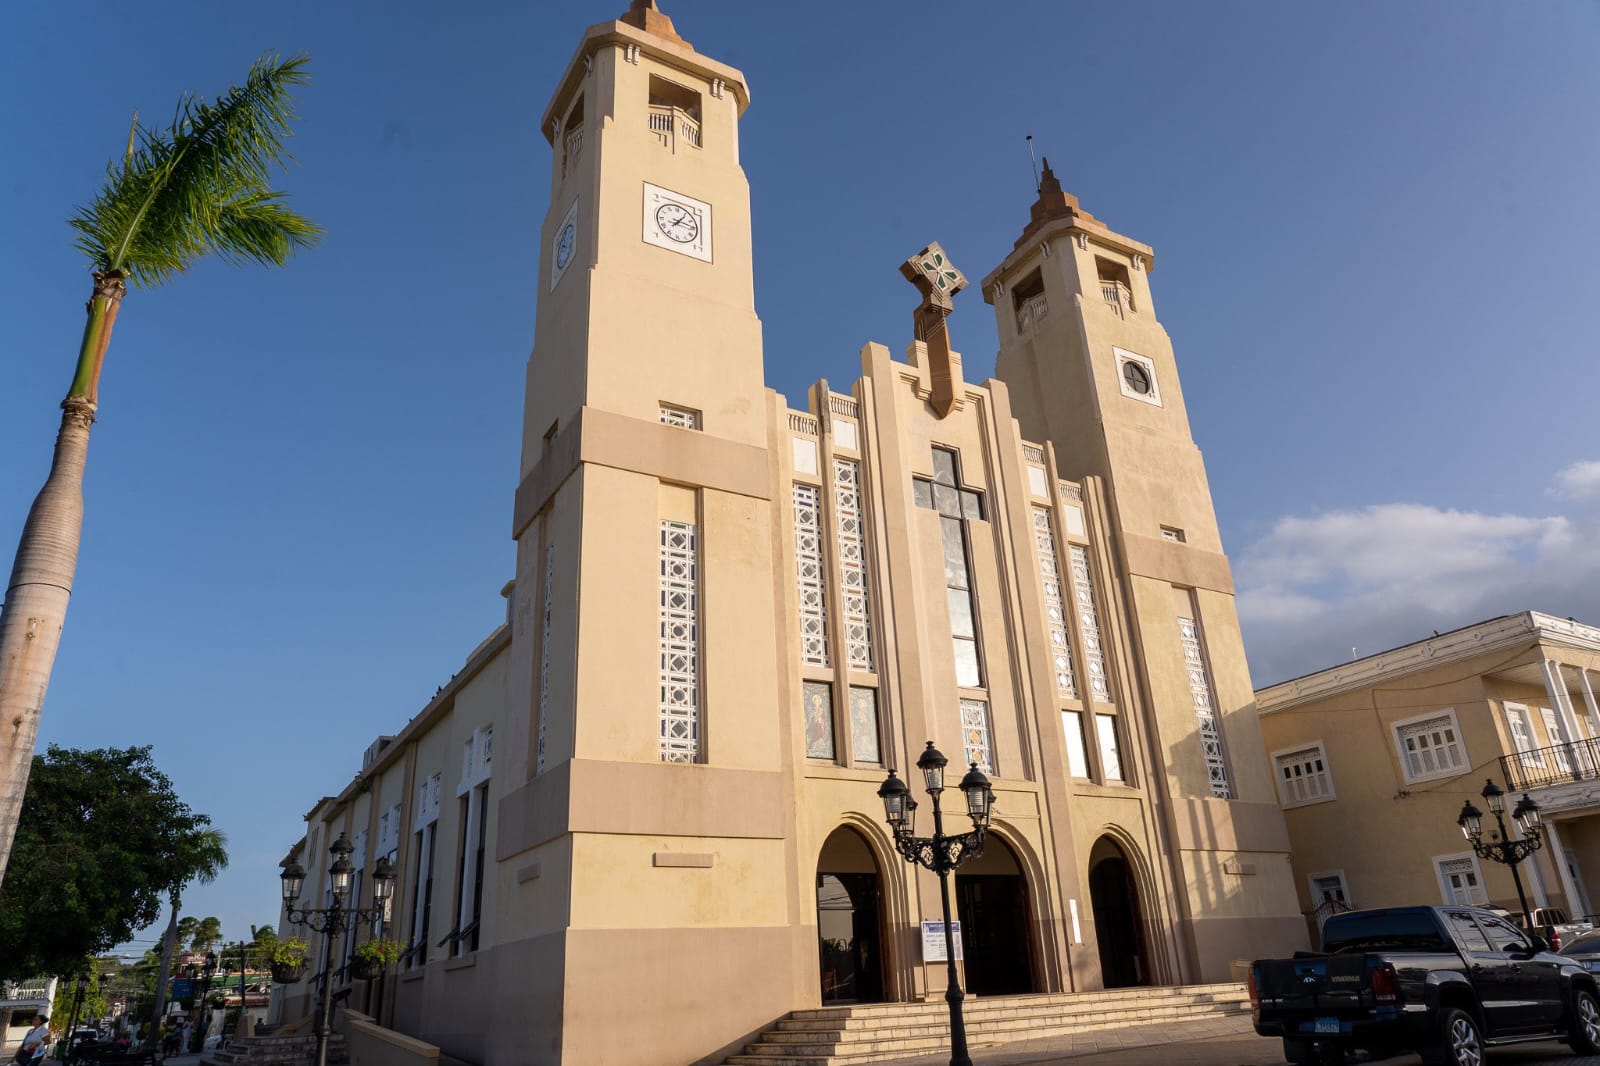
x=206, y=971
x=941, y=854
x=77, y=1001
x=336, y=919
x=1502, y=849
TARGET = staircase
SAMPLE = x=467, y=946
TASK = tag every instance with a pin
x=286, y=1049
x=844, y=1036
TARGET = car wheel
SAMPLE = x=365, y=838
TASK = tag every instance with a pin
x=1583, y=1033
x=1459, y=1043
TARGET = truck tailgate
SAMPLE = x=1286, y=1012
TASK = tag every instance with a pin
x=1320, y=985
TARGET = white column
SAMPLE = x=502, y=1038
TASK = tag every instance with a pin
x=1588, y=702
x=1576, y=906
x=1535, y=876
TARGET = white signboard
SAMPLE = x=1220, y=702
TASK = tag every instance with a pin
x=933, y=941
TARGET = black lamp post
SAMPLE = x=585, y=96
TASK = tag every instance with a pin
x=1502, y=849
x=77, y=1001
x=333, y=920
x=941, y=854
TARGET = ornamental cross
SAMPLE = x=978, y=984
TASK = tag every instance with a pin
x=931, y=271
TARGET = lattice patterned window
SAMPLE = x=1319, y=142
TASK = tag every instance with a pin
x=680, y=643
x=1055, y=608
x=1089, y=624
x=1205, y=712
x=853, y=563
x=544, y=654
x=808, y=575
x=1431, y=747
x=1303, y=776
x=818, y=697
x=975, y=734
x=864, y=745
x=682, y=417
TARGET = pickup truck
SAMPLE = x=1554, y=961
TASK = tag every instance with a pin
x=1443, y=981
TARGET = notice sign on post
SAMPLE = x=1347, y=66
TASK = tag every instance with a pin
x=933, y=941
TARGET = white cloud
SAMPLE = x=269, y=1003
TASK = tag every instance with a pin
x=1314, y=587
x=1580, y=480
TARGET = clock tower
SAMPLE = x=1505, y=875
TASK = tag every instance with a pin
x=643, y=748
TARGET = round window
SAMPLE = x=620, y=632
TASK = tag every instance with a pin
x=1137, y=377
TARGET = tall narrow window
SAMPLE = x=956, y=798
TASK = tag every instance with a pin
x=544, y=655
x=975, y=734
x=1194, y=660
x=818, y=696
x=1528, y=752
x=1089, y=624
x=955, y=504
x=680, y=643
x=1055, y=608
x=426, y=835
x=808, y=575
x=853, y=563
x=1077, y=756
x=1303, y=776
x=1105, y=727
x=864, y=743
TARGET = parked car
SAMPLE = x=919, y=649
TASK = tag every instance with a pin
x=1585, y=949
x=1443, y=981
x=1553, y=924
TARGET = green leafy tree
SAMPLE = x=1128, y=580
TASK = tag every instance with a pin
x=186, y=927
x=206, y=933
x=93, y=1004
x=200, y=187
x=101, y=840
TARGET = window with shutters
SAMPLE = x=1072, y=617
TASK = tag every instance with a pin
x=1430, y=746
x=1303, y=776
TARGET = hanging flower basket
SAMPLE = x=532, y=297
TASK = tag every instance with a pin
x=287, y=973
x=366, y=969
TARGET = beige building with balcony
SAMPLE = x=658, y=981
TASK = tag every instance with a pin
x=1374, y=759
x=641, y=823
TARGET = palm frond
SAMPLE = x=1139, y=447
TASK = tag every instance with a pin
x=202, y=187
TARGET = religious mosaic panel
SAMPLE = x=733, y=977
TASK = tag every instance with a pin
x=864, y=742
x=818, y=699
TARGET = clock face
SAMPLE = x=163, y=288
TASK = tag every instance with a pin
x=677, y=223
x=564, y=245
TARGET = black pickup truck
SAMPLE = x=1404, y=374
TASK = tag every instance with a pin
x=1443, y=981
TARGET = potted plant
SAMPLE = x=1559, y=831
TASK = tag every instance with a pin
x=373, y=957
x=288, y=960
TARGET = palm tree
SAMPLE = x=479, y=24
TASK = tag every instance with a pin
x=204, y=855
x=200, y=187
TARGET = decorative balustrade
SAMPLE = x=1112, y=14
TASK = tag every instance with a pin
x=574, y=147
x=1117, y=295
x=670, y=123
x=1033, y=311
x=1555, y=765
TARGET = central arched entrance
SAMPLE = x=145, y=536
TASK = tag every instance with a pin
x=992, y=905
x=849, y=930
x=1118, y=922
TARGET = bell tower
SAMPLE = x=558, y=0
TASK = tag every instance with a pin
x=646, y=294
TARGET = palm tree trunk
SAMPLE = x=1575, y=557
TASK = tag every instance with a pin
x=169, y=944
x=35, y=607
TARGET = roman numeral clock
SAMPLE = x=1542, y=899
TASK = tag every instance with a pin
x=677, y=222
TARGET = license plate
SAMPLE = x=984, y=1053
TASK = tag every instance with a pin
x=1327, y=1025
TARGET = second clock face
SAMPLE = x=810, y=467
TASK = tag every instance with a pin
x=564, y=246
x=677, y=223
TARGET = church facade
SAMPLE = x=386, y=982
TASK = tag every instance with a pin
x=731, y=617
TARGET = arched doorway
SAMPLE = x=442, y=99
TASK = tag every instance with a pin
x=992, y=905
x=849, y=932
x=1118, y=921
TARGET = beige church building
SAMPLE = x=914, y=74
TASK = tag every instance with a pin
x=641, y=822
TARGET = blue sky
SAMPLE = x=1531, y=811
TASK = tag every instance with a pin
x=1373, y=227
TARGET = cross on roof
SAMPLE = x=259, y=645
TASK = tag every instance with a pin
x=931, y=271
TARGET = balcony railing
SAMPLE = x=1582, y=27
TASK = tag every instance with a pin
x=1117, y=295
x=670, y=123
x=1032, y=313
x=574, y=148
x=1555, y=765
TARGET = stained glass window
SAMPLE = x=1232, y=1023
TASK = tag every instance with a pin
x=975, y=734
x=1089, y=624
x=808, y=575
x=680, y=643
x=853, y=563
x=544, y=654
x=1055, y=608
x=1204, y=710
